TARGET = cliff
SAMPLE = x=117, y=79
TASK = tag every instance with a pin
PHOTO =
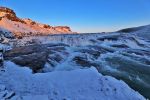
x=24, y=27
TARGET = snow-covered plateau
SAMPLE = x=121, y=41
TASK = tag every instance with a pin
x=93, y=66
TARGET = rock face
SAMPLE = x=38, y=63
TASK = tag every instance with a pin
x=9, y=14
x=36, y=56
x=25, y=27
x=6, y=11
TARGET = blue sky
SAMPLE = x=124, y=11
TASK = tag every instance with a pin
x=84, y=15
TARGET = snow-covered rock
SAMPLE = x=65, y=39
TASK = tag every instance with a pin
x=36, y=56
x=142, y=31
x=25, y=27
x=81, y=84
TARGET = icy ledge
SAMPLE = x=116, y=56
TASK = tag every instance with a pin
x=81, y=84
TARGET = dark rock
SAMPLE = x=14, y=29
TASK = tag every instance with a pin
x=35, y=61
x=94, y=53
x=129, y=30
x=120, y=46
x=84, y=62
x=109, y=37
x=35, y=56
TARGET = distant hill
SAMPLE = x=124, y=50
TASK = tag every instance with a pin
x=142, y=31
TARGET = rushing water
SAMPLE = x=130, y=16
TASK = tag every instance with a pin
x=134, y=71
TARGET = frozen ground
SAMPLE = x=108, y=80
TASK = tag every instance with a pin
x=81, y=84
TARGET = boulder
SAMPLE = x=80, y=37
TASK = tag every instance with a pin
x=35, y=56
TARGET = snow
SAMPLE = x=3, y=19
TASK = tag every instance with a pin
x=5, y=33
x=80, y=84
x=37, y=97
x=77, y=40
x=70, y=39
x=144, y=32
x=18, y=27
x=132, y=44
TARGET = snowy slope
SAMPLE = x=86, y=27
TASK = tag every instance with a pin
x=23, y=27
x=18, y=27
x=142, y=31
x=81, y=84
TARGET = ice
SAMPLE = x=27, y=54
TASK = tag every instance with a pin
x=35, y=97
x=2, y=88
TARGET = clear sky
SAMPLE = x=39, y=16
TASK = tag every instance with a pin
x=84, y=15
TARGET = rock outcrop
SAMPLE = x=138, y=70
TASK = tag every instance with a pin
x=9, y=14
x=25, y=27
x=64, y=29
x=36, y=56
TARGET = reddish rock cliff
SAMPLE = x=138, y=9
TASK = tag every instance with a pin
x=23, y=27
